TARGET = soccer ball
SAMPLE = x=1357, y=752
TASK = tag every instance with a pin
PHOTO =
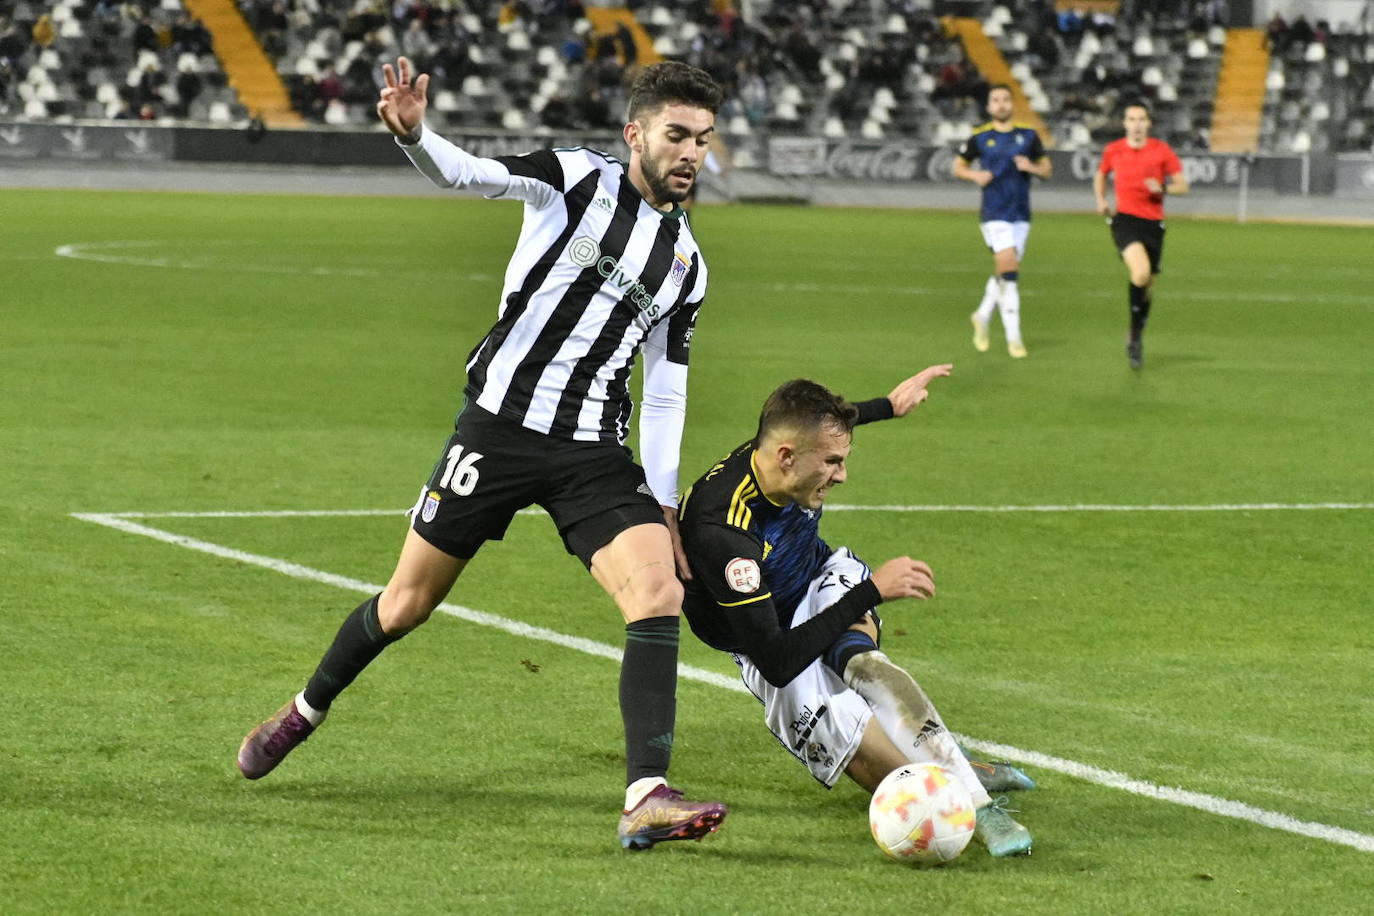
x=921, y=814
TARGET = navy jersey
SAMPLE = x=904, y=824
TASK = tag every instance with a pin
x=1007, y=196
x=745, y=550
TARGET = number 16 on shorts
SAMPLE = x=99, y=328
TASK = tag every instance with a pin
x=460, y=471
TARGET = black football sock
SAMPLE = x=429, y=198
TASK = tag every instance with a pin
x=648, y=695
x=360, y=639
x=1140, y=309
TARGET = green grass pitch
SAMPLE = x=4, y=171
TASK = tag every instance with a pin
x=197, y=353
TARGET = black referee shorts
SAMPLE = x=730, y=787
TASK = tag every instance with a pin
x=1149, y=232
x=493, y=467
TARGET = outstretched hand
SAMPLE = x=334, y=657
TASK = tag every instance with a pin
x=402, y=104
x=913, y=391
x=903, y=577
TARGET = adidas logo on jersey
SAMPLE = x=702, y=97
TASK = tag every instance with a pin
x=604, y=203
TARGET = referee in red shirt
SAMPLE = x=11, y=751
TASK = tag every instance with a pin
x=1145, y=169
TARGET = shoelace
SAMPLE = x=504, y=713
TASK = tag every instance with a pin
x=1003, y=804
x=286, y=736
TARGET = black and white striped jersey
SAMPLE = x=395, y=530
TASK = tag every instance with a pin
x=597, y=274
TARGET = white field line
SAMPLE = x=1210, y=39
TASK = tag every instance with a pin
x=1069, y=507
x=150, y=253
x=1207, y=803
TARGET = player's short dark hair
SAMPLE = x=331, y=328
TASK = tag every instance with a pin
x=672, y=82
x=803, y=405
x=995, y=86
x=1137, y=103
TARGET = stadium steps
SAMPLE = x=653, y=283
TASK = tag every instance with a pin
x=993, y=68
x=1239, y=103
x=605, y=20
x=245, y=64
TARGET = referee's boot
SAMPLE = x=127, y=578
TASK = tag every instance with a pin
x=1002, y=835
x=1135, y=351
x=269, y=743
x=663, y=814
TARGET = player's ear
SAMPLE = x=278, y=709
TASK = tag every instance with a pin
x=633, y=133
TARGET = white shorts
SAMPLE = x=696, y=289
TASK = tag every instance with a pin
x=1001, y=235
x=816, y=717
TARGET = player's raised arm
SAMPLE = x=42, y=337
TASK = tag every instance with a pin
x=914, y=390
x=402, y=103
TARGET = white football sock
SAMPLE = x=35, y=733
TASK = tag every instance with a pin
x=635, y=791
x=312, y=715
x=989, y=302
x=909, y=718
x=1009, y=304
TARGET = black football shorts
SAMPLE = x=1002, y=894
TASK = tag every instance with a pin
x=493, y=467
x=1149, y=232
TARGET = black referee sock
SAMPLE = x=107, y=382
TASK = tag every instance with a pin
x=648, y=695
x=1140, y=309
x=360, y=639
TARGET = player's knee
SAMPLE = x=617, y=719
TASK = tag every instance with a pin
x=1141, y=276
x=401, y=610
x=657, y=593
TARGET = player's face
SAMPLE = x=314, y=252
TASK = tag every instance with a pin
x=669, y=147
x=1137, y=124
x=818, y=467
x=1000, y=105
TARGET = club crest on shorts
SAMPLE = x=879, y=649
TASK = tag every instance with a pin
x=742, y=575
x=678, y=273
x=430, y=506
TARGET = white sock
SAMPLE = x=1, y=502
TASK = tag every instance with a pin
x=1009, y=304
x=635, y=791
x=909, y=718
x=989, y=302
x=312, y=715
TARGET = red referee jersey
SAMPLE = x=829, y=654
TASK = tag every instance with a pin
x=1132, y=166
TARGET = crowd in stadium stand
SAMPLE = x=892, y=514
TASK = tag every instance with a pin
x=870, y=69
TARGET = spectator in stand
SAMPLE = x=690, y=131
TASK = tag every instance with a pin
x=145, y=36
x=1300, y=33
x=625, y=45
x=1277, y=33
x=189, y=87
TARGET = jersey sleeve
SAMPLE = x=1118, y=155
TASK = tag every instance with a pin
x=1107, y=164
x=874, y=410
x=663, y=412
x=728, y=561
x=1172, y=164
x=449, y=166
x=1036, y=151
x=538, y=178
x=969, y=151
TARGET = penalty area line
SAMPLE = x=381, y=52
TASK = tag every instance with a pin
x=1207, y=803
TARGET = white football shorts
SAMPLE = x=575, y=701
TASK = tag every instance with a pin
x=1001, y=235
x=816, y=717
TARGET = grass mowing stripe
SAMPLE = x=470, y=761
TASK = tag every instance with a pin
x=1111, y=779
x=296, y=571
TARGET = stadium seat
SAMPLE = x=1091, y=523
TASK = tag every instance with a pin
x=834, y=128
x=1315, y=53
x=871, y=130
